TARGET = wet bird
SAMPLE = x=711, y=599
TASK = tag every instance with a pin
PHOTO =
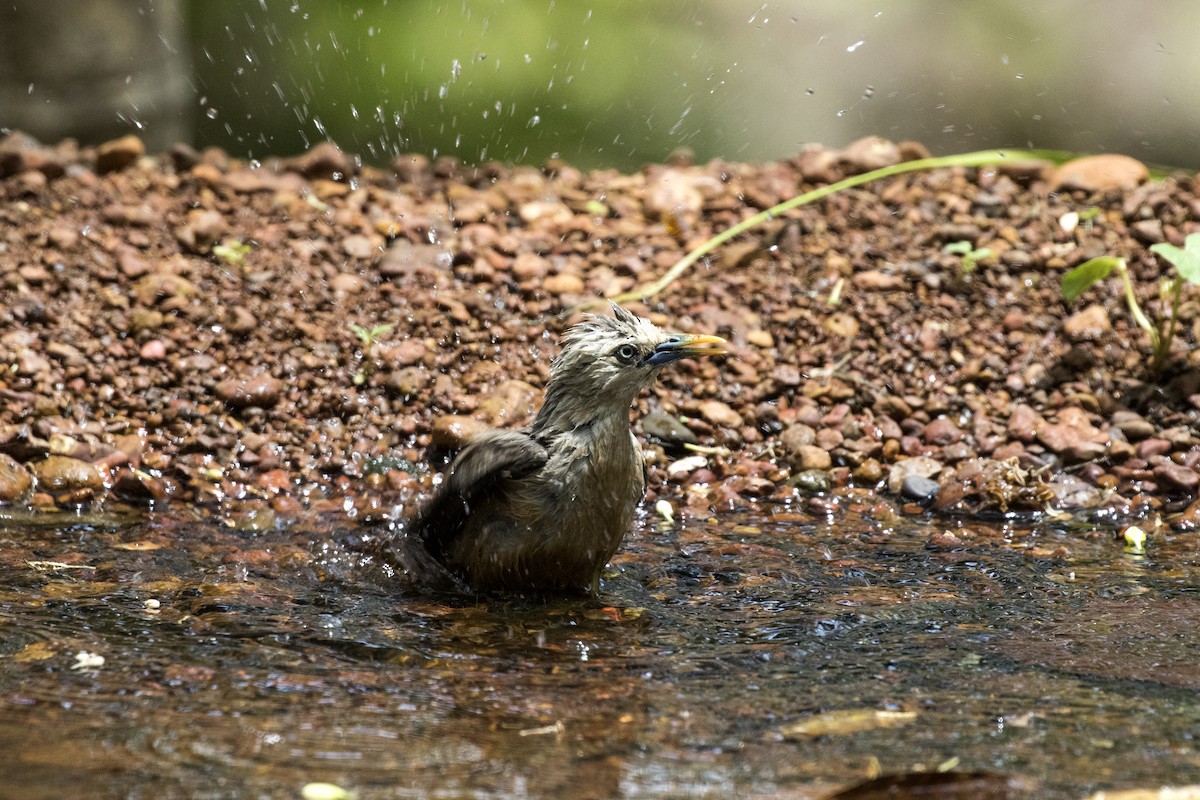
x=545, y=507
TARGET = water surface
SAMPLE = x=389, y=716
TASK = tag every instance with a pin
x=716, y=649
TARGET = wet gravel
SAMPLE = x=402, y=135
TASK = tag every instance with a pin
x=315, y=334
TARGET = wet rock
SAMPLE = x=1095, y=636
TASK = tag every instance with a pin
x=1100, y=173
x=918, y=488
x=325, y=161
x=407, y=382
x=683, y=467
x=1088, y=325
x=563, y=283
x=1189, y=520
x=720, y=414
x=796, y=436
x=812, y=481
x=918, y=465
x=407, y=260
x=119, y=153
x=510, y=404
x=15, y=480
x=667, y=429
x=1148, y=448
x=1024, y=423
x=811, y=457
x=1177, y=477
x=202, y=230
x=1071, y=430
x=453, y=431
x=1134, y=426
x=262, y=391
x=153, y=350
x=135, y=486
x=941, y=432
x=869, y=153
x=67, y=480
x=1071, y=492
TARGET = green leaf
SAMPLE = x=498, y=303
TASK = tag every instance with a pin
x=958, y=248
x=1185, y=260
x=1080, y=279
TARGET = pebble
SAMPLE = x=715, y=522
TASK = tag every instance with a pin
x=811, y=457
x=262, y=391
x=917, y=465
x=720, y=414
x=941, y=432
x=918, y=488
x=67, y=479
x=1177, y=476
x=119, y=153
x=15, y=480
x=453, y=431
x=667, y=429
x=135, y=486
x=1100, y=173
x=686, y=466
x=1087, y=325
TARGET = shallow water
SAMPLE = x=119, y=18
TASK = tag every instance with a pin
x=1050, y=656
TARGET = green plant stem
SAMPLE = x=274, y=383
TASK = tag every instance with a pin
x=977, y=159
x=1164, y=349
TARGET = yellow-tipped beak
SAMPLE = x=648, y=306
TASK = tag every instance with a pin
x=682, y=345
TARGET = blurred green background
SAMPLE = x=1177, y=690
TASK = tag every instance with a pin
x=618, y=84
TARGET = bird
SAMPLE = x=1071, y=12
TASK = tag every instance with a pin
x=544, y=508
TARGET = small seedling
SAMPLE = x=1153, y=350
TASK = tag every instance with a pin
x=232, y=251
x=971, y=255
x=368, y=337
x=1185, y=260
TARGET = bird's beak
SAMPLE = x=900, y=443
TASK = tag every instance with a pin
x=682, y=345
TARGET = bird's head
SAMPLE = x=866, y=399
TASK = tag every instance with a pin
x=611, y=359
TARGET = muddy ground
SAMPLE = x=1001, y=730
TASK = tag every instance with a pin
x=313, y=334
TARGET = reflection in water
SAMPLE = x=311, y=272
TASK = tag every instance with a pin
x=1025, y=651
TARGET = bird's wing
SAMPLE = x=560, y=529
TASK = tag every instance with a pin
x=489, y=459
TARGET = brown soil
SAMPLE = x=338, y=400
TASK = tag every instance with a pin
x=148, y=356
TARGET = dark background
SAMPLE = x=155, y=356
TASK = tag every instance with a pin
x=618, y=83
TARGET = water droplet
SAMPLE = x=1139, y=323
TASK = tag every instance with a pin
x=210, y=112
x=855, y=46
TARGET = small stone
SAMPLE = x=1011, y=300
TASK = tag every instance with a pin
x=917, y=465
x=1134, y=426
x=941, y=432
x=119, y=153
x=918, y=488
x=509, y=403
x=153, y=350
x=453, y=431
x=359, y=246
x=15, y=480
x=686, y=466
x=810, y=457
x=324, y=161
x=1024, y=423
x=1177, y=476
x=563, y=283
x=720, y=414
x=813, y=481
x=760, y=338
x=869, y=153
x=667, y=429
x=796, y=436
x=67, y=479
x=346, y=283
x=1087, y=325
x=135, y=486
x=261, y=390
x=873, y=280
x=1100, y=173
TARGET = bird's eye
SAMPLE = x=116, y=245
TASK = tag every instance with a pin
x=627, y=353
